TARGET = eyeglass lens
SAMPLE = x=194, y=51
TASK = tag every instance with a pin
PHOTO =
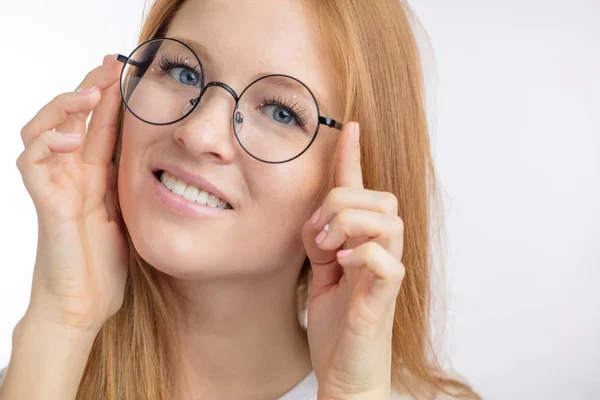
x=275, y=120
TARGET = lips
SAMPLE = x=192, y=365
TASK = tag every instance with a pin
x=190, y=178
x=191, y=193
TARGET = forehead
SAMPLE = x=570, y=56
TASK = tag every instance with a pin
x=246, y=38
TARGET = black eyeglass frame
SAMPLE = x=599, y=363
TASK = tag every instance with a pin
x=321, y=119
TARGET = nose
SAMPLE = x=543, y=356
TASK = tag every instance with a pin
x=208, y=130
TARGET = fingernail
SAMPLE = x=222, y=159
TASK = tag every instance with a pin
x=321, y=236
x=72, y=135
x=315, y=217
x=85, y=91
x=344, y=253
x=357, y=132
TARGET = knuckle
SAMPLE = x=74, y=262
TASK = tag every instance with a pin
x=20, y=161
x=389, y=202
x=335, y=196
x=343, y=217
x=387, y=233
x=399, y=273
x=371, y=249
x=23, y=161
x=26, y=131
x=397, y=226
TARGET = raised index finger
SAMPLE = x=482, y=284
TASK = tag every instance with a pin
x=348, y=172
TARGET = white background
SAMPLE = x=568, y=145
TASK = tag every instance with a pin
x=516, y=115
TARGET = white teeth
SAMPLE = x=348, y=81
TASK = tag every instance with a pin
x=212, y=201
x=190, y=192
x=168, y=180
x=202, y=197
x=179, y=187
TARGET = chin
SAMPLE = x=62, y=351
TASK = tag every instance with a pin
x=176, y=260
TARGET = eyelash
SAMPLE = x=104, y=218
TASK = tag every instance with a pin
x=296, y=110
x=167, y=62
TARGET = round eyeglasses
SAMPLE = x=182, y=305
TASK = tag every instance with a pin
x=275, y=119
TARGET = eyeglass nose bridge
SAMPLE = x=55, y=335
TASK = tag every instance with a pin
x=223, y=86
x=193, y=102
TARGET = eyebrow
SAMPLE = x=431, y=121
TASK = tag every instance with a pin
x=202, y=52
x=197, y=47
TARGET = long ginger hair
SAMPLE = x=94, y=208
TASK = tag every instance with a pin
x=373, y=49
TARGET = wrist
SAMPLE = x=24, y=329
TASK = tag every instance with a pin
x=49, y=354
x=80, y=323
x=35, y=338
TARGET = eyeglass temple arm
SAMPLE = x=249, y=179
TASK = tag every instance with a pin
x=127, y=60
x=332, y=123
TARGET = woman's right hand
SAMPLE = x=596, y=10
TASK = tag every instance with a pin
x=82, y=253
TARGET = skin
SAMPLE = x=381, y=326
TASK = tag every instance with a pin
x=232, y=289
x=237, y=295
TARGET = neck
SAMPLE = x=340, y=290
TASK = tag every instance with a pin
x=241, y=337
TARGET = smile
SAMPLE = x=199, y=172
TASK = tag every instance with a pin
x=190, y=192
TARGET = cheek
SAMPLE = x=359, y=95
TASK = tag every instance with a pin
x=291, y=193
x=137, y=137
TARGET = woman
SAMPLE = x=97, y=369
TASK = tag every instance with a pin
x=225, y=228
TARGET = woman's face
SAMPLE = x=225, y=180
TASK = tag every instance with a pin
x=243, y=39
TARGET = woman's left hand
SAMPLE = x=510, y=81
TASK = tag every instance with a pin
x=353, y=293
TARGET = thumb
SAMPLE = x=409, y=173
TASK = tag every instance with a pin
x=326, y=271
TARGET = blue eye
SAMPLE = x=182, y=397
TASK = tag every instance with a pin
x=186, y=76
x=284, y=112
x=178, y=67
x=280, y=114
